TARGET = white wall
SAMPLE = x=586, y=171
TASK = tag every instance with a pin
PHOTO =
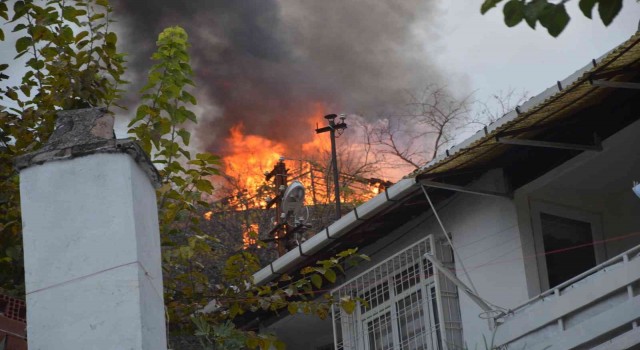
x=597, y=183
x=486, y=236
x=92, y=255
x=487, y=241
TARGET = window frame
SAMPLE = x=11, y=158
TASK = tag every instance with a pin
x=594, y=219
x=425, y=286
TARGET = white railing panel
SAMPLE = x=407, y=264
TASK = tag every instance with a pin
x=556, y=314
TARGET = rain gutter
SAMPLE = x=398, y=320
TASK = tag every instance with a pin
x=336, y=230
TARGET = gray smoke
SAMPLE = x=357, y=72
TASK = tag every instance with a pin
x=265, y=62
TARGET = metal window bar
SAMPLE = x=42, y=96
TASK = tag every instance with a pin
x=410, y=306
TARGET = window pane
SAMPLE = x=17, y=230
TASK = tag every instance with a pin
x=411, y=322
x=380, y=333
x=428, y=267
x=436, y=318
x=407, y=278
x=375, y=296
x=569, y=244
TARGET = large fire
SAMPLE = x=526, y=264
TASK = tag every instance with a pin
x=247, y=159
x=250, y=156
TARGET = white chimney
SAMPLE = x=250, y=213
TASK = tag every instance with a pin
x=91, y=241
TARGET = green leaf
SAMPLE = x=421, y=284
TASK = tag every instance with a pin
x=488, y=5
x=316, y=280
x=104, y=3
x=70, y=13
x=204, y=186
x=49, y=52
x=330, y=275
x=235, y=310
x=608, y=10
x=3, y=10
x=111, y=38
x=26, y=90
x=185, y=135
x=11, y=94
x=81, y=36
x=67, y=34
x=293, y=308
x=96, y=17
x=19, y=27
x=555, y=18
x=279, y=345
x=23, y=43
x=1, y=35
x=348, y=305
x=533, y=10
x=586, y=6
x=513, y=12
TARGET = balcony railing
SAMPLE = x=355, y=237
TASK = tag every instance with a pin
x=599, y=308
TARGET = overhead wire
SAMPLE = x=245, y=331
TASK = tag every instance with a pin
x=472, y=268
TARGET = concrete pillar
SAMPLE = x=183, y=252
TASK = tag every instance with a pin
x=91, y=240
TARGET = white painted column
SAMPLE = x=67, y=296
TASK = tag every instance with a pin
x=91, y=240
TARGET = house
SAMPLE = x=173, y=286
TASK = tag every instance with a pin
x=542, y=243
x=13, y=323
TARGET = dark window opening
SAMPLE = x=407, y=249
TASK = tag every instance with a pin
x=568, y=246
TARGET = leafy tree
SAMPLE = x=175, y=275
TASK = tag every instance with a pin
x=552, y=16
x=71, y=61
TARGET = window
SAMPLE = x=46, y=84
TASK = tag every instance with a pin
x=569, y=239
x=402, y=309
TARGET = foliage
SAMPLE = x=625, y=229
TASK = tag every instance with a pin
x=69, y=58
x=161, y=126
x=552, y=16
x=71, y=61
x=295, y=295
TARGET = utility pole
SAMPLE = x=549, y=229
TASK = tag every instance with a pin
x=334, y=157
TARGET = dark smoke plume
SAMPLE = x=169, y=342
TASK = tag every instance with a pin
x=265, y=62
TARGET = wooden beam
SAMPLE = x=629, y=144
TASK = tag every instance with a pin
x=456, y=172
x=537, y=127
x=547, y=144
x=616, y=84
x=457, y=188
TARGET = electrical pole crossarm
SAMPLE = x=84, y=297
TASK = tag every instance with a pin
x=334, y=157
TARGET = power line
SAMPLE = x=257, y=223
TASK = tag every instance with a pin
x=472, y=268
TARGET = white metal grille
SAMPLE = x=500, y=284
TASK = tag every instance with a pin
x=409, y=305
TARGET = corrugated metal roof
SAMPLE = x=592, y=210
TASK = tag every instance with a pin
x=569, y=96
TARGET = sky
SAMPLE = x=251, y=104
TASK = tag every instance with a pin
x=481, y=54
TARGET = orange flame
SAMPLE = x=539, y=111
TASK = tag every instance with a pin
x=249, y=157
